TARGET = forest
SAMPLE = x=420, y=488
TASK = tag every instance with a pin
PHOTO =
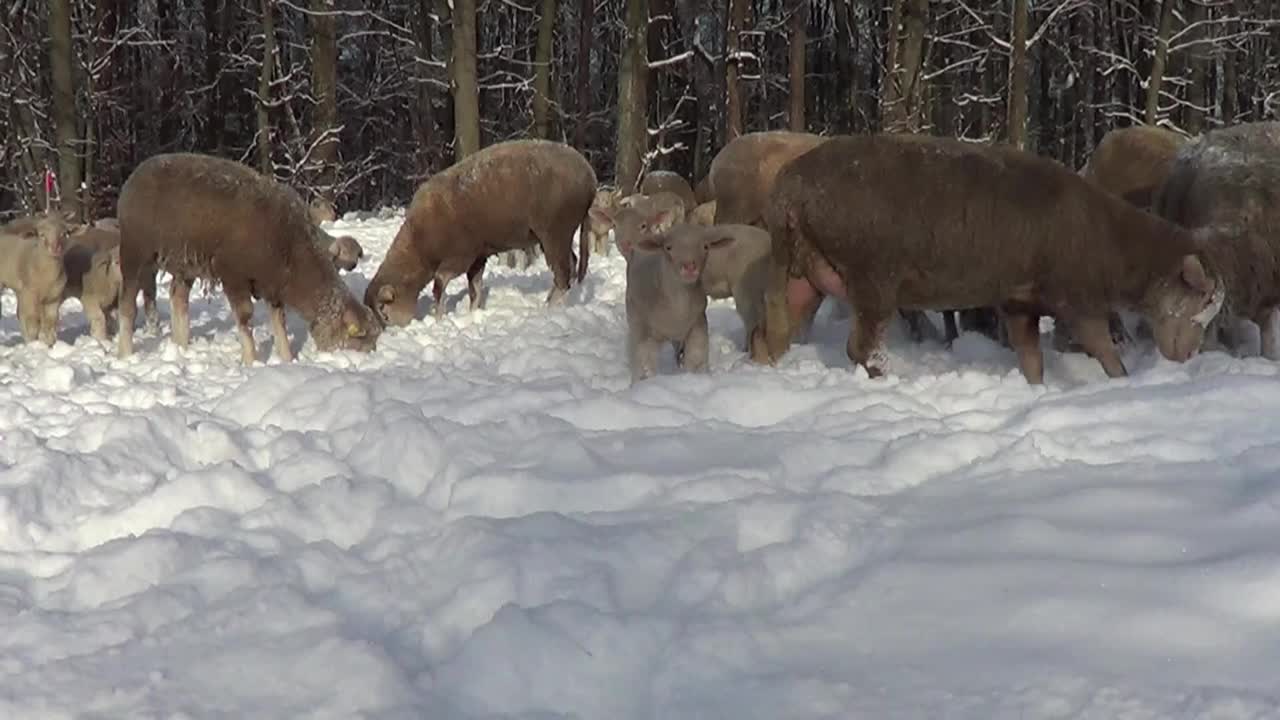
x=357, y=102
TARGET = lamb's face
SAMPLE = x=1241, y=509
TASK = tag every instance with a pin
x=1181, y=306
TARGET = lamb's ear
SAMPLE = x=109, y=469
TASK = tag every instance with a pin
x=386, y=294
x=1194, y=275
x=663, y=220
x=722, y=241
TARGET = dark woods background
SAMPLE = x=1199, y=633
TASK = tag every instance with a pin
x=359, y=101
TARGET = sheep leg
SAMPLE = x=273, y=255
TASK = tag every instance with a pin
x=437, y=293
x=642, y=351
x=865, y=345
x=1119, y=333
x=150, y=312
x=559, y=253
x=1267, y=334
x=696, y=347
x=242, y=305
x=475, y=284
x=950, y=331
x=127, y=309
x=49, y=321
x=1024, y=336
x=29, y=316
x=180, y=310
x=97, y=321
x=281, y=335
x=1094, y=335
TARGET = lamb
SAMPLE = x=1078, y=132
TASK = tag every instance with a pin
x=510, y=195
x=1227, y=185
x=31, y=251
x=202, y=217
x=736, y=266
x=598, y=219
x=665, y=301
x=665, y=204
x=657, y=181
x=926, y=222
x=92, y=266
x=743, y=173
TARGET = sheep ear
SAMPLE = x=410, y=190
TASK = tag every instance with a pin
x=664, y=220
x=1193, y=273
x=334, y=249
x=722, y=241
x=386, y=294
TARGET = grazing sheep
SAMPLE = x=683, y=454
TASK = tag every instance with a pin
x=31, y=250
x=205, y=218
x=1227, y=185
x=925, y=222
x=507, y=196
x=743, y=173
x=665, y=301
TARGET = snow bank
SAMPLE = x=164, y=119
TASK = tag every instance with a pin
x=482, y=519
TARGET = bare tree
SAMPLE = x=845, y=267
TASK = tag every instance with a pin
x=796, y=50
x=466, y=90
x=1016, y=114
x=632, y=78
x=542, y=71
x=1159, y=61
x=65, y=118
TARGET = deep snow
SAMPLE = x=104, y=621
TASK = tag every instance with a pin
x=481, y=519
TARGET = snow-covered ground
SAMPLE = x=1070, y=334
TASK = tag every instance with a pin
x=481, y=519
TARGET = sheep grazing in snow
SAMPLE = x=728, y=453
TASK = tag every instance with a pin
x=507, y=196
x=202, y=217
x=904, y=220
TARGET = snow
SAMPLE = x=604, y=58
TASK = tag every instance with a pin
x=482, y=519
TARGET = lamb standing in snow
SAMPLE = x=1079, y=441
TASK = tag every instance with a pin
x=665, y=301
x=657, y=181
x=598, y=219
x=1227, y=184
x=507, y=196
x=92, y=265
x=736, y=266
x=925, y=222
x=31, y=251
x=202, y=217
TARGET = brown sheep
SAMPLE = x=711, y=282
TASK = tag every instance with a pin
x=742, y=174
x=205, y=218
x=510, y=195
x=656, y=181
x=1227, y=185
x=31, y=250
x=925, y=222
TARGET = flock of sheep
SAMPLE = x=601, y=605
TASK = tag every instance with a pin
x=1186, y=233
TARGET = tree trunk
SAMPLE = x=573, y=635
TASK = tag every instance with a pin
x=702, y=71
x=1016, y=117
x=632, y=110
x=542, y=71
x=586, y=11
x=847, y=91
x=1159, y=61
x=1087, y=82
x=732, y=70
x=795, y=69
x=1197, y=90
x=61, y=62
x=424, y=117
x=264, y=88
x=466, y=89
x=324, y=86
x=447, y=120
x=902, y=90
